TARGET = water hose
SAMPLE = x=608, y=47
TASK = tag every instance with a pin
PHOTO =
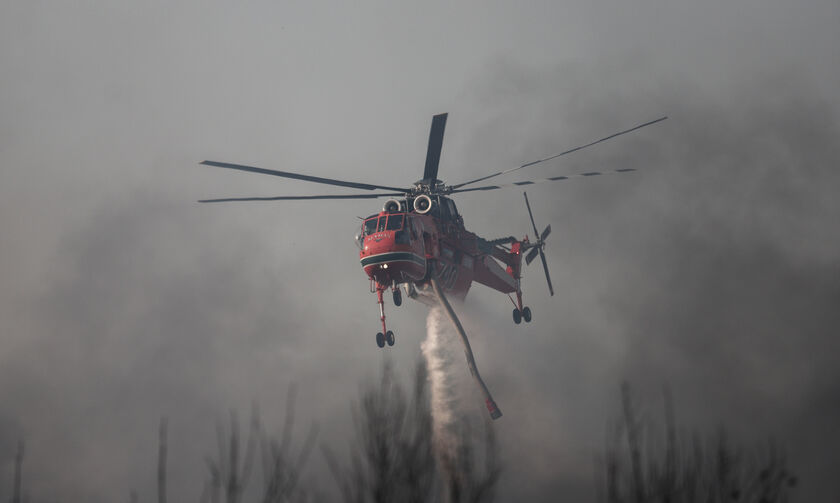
x=495, y=413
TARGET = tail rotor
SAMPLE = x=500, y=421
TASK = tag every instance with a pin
x=538, y=246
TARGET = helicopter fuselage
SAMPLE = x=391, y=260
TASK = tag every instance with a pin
x=408, y=248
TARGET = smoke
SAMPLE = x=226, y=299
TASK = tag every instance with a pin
x=440, y=359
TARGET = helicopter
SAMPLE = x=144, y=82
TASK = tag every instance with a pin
x=419, y=239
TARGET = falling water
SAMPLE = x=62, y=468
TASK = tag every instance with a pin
x=440, y=359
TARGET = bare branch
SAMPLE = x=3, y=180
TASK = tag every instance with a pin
x=162, y=448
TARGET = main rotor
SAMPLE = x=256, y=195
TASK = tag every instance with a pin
x=429, y=185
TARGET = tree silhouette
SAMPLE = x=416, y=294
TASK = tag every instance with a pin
x=637, y=467
x=394, y=457
x=229, y=475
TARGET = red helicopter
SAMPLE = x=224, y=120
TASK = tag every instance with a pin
x=419, y=235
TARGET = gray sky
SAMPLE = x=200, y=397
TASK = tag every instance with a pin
x=713, y=270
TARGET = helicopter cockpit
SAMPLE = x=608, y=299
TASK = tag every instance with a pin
x=387, y=222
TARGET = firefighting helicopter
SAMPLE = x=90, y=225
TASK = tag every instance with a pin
x=419, y=237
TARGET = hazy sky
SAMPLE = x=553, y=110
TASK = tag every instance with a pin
x=714, y=269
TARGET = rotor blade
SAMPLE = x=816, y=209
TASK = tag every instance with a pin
x=302, y=198
x=545, y=267
x=531, y=254
x=545, y=233
x=298, y=176
x=435, y=146
x=561, y=153
x=536, y=232
x=541, y=180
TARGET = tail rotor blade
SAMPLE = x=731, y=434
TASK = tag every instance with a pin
x=536, y=232
x=531, y=255
x=545, y=267
x=545, y=233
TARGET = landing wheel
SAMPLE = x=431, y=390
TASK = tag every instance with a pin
x=389, y=337
x=397, y=297
x=380, y=340
x=517, y=316
x=526, y=314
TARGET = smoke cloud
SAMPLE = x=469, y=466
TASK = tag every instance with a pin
x=713, y=269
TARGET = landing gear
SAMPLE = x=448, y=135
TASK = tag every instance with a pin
x=526, y=314
x=388, y=338
x=385, y=336
x=518, y=315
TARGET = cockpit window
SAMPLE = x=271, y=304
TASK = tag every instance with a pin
x=395, y=222
x=370, y=226
x=390, y=222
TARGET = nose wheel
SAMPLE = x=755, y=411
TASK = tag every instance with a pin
x=385, y=336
